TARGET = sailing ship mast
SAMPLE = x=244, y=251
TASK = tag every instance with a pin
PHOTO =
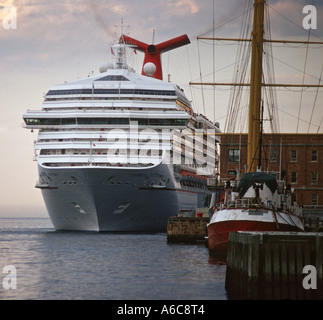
x=256, y=83
x=254, y=132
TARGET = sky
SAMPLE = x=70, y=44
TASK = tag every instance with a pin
x=51, y=42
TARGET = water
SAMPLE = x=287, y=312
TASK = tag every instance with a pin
x=72, y=265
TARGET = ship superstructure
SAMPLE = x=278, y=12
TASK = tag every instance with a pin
x=120, y=151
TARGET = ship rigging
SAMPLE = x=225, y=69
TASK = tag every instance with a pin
x=256, y=201
x=270, y=82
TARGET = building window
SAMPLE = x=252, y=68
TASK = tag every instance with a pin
x=293, y=178
x=314, y=177
x=314, y=156
x=293, y=156
x=273, y=155
x=314, y=199
x=234, y=155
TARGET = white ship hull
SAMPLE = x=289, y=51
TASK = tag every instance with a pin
x=225, y=221
x=115, y=200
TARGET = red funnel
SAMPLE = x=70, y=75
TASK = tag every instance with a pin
x=153, y=52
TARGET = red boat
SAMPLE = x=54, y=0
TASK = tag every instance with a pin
x=257, y=202
x=255, y=205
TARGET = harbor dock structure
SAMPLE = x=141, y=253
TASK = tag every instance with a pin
x=275, y=266
x=313, y=223
x=188, y=228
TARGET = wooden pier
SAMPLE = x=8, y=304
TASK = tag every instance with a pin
x=187, y=230
x=270, y=265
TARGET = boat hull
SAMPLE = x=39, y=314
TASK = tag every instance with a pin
x=247, y=220
x=115, y=199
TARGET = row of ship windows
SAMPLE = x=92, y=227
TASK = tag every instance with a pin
x=103, y=121
x=95, y=164
x=112, y=91
x=98, y=98
x=44, y=152
x=113, y=78
x=189, y=184
x=193, y=184
x=108, y=108
x=189, y=146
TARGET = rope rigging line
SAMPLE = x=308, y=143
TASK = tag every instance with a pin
x=190, y=71
x=293, y=22
x=199, y=58
x=319, y=126
x=213, y=60
x=241, y=66
x=315, y=100
x=303, y=82
x=270, y=92
x=293, y=67
x=224, y=23
x=219, y=70
x=243, y=55
x=302, y=120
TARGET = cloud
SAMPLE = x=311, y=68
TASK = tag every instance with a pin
x=119, y=9
x=6, y=3
x=287, y=17
x=183, y=7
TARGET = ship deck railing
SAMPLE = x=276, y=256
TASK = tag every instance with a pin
x=94, y=164
x=244, y=203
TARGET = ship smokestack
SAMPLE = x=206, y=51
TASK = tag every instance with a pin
x=153, y=52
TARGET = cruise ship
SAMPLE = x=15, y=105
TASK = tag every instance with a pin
x=121, y=151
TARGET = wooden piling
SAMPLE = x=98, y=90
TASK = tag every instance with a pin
x=269, y=265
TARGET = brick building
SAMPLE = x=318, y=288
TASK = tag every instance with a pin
x=298, y=158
